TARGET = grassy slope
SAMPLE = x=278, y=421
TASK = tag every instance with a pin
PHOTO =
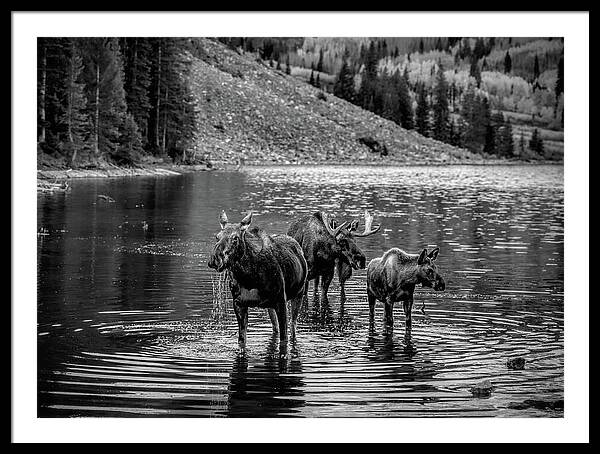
x=250, y=110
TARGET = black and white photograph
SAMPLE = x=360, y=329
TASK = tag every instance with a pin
x=332, y=224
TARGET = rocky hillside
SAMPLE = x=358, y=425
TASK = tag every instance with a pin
x=250, y=111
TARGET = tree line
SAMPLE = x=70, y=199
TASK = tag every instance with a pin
x=114, y=99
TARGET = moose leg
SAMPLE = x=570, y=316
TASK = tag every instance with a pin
x=344, y=272
x=372, y=300
x=296, y=305
x=315, y=288
x=389, y=313
x=274, y=322
x=407, y=305
x=282, y=318
x=325, y=282
x=241, y=313
x=340, y=272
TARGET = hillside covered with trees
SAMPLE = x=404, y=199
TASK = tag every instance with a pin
x=128, y=101
x=501, y=96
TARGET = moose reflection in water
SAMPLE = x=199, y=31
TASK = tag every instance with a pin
x=266, y=388
x=394, y=276
x=328, y=246
x=265, y=271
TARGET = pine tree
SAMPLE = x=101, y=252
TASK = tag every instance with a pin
x=137, y=53
x=422, y=113
x=536, y=68
x=344, y=84
x=475, y=72
x=476, y=115
x=536, y=143
x=421, y=46
x=176, y=120
x=560, y=83
x=278, y=65
x=52, y=97
x=508, y=147
x=42, y=53
x=522, y=144
x=320, y=62
x=490, y=45
x=318, y=81
x=288, y=69
x=559, y=87
x=507, y=63
x=479, y=49
x=503, y=140
x=74, y=117
x=441, y=110
x=367, y=91
x=486, y=125
x=155, y=96
x=456, y=130
x=404, y=102
x=103, y=78
x=371, y=62
x=389, y=93
x=312, y=78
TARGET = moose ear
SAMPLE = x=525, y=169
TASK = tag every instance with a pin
x=353, y=226
x=257, y=242
x=246, y=221
x=223, y=219
x=422, y=257
x=433, y=254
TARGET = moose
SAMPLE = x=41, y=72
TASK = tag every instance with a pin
x=264, y=271
x=393, y=277
x=324, y=242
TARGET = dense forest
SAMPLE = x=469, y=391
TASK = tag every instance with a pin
x=114, y=99
x=501, y=96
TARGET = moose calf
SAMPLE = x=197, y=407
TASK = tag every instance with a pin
x=393, y=277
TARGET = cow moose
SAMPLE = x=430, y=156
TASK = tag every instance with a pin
x=394, y=276
x=264, y=271
x=324, y=242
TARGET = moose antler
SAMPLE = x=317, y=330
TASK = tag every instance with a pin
x=368, y=223
x=223, y=219
x=332, y=231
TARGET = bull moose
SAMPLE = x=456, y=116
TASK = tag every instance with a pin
x=393, y=277
x=324, y=243
x=264, y=271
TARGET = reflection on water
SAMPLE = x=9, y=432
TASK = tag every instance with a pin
x=128, y=324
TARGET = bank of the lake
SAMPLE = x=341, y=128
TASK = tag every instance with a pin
x=51, y=173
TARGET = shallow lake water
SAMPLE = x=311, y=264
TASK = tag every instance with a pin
x=131, y=321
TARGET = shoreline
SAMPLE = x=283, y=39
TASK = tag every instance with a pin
x=116, y=171
x=50, y=173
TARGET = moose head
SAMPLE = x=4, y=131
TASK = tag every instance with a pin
x=231, y=243
x=427, y=273
x=345, y=235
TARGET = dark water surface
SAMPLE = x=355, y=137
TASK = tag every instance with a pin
x=129, y=324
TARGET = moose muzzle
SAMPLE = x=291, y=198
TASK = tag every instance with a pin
x=440, y=284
